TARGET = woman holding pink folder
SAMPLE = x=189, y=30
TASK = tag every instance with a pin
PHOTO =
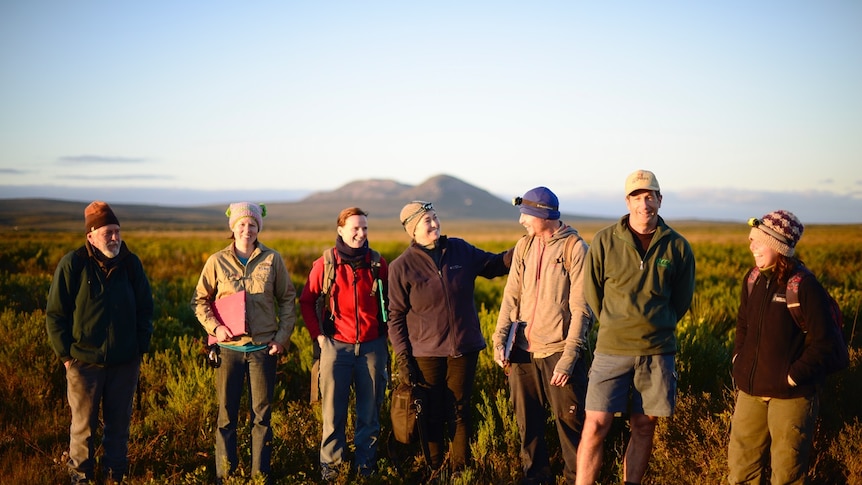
x=246, y=266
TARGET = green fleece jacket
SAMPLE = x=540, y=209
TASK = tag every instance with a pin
x=546, y=291
x=99, y=313
x=638, y=300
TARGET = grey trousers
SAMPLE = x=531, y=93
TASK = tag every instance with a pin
x=111, y=388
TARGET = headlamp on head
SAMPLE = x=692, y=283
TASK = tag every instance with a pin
x=522, y=201
x=759, y=224
x=421, y=210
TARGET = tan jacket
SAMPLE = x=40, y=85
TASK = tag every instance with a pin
x=547, y=293
x=270, y=295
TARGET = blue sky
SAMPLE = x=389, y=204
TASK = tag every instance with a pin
x=739, y=107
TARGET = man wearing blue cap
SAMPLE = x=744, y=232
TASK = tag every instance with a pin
x=541, y=334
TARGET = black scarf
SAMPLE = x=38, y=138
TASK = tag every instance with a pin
x=435, y=250
x=349, y=255
x=105, y=263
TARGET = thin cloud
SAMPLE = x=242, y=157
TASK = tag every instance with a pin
x=100, y=159
x=118, y=177
x=13, y=171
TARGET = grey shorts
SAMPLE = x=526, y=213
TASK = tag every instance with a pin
x=643, y=384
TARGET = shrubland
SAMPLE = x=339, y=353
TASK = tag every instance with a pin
x=174, y=413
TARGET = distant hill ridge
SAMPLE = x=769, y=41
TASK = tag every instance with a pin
x=453, y=199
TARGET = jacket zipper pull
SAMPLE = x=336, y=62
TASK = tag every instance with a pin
x=642, y=265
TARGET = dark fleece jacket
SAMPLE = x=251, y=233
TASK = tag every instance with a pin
x=431, y=307
x=769, y=344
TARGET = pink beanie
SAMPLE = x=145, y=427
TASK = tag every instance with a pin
x=238, y=210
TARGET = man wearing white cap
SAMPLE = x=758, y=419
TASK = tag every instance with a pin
x=640, y=282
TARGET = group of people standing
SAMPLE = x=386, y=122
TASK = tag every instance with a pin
x=635, y=280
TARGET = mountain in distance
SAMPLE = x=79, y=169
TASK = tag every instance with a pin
x=453, y=199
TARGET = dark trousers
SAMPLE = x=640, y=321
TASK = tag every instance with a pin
x=531, y=391
x=257, y=370
x=450, y=381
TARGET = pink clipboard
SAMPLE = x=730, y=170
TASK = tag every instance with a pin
x=230, y=311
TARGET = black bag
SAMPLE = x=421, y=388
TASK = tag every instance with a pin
x=406, y=412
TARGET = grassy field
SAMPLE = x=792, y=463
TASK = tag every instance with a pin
x=172, y=428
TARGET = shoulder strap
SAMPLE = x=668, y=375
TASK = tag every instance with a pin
x=569, y=248
x=791, y=294
x=328, y=270
x=329, y=263
x=375, y=269
x=130, y=270
x=79, y=265
x=375, y=264
x=752, y=278
x=377, y=285
x=526, y=242
x=79, y=260
x=792, y=297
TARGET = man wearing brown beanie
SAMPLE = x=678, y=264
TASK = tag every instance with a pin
x=99, y=322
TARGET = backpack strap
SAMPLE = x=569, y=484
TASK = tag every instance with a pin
x=323, y=301
x=525, y=243
x=80, y=262
x=792, y=298
x=329, y=262
x=375, y=269
x=567, y=250
x=791, y=293
x=752, y=278
x=377, y=286
x=79, y=265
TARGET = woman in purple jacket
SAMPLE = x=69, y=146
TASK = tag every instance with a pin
x=434, y=326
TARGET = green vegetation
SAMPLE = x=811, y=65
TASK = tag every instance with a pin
x=172, y=428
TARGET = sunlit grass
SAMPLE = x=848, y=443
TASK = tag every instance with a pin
x=172, y=429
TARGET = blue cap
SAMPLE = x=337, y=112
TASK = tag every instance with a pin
x=539, y=202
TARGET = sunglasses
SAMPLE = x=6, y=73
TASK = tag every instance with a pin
x=425, y=207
